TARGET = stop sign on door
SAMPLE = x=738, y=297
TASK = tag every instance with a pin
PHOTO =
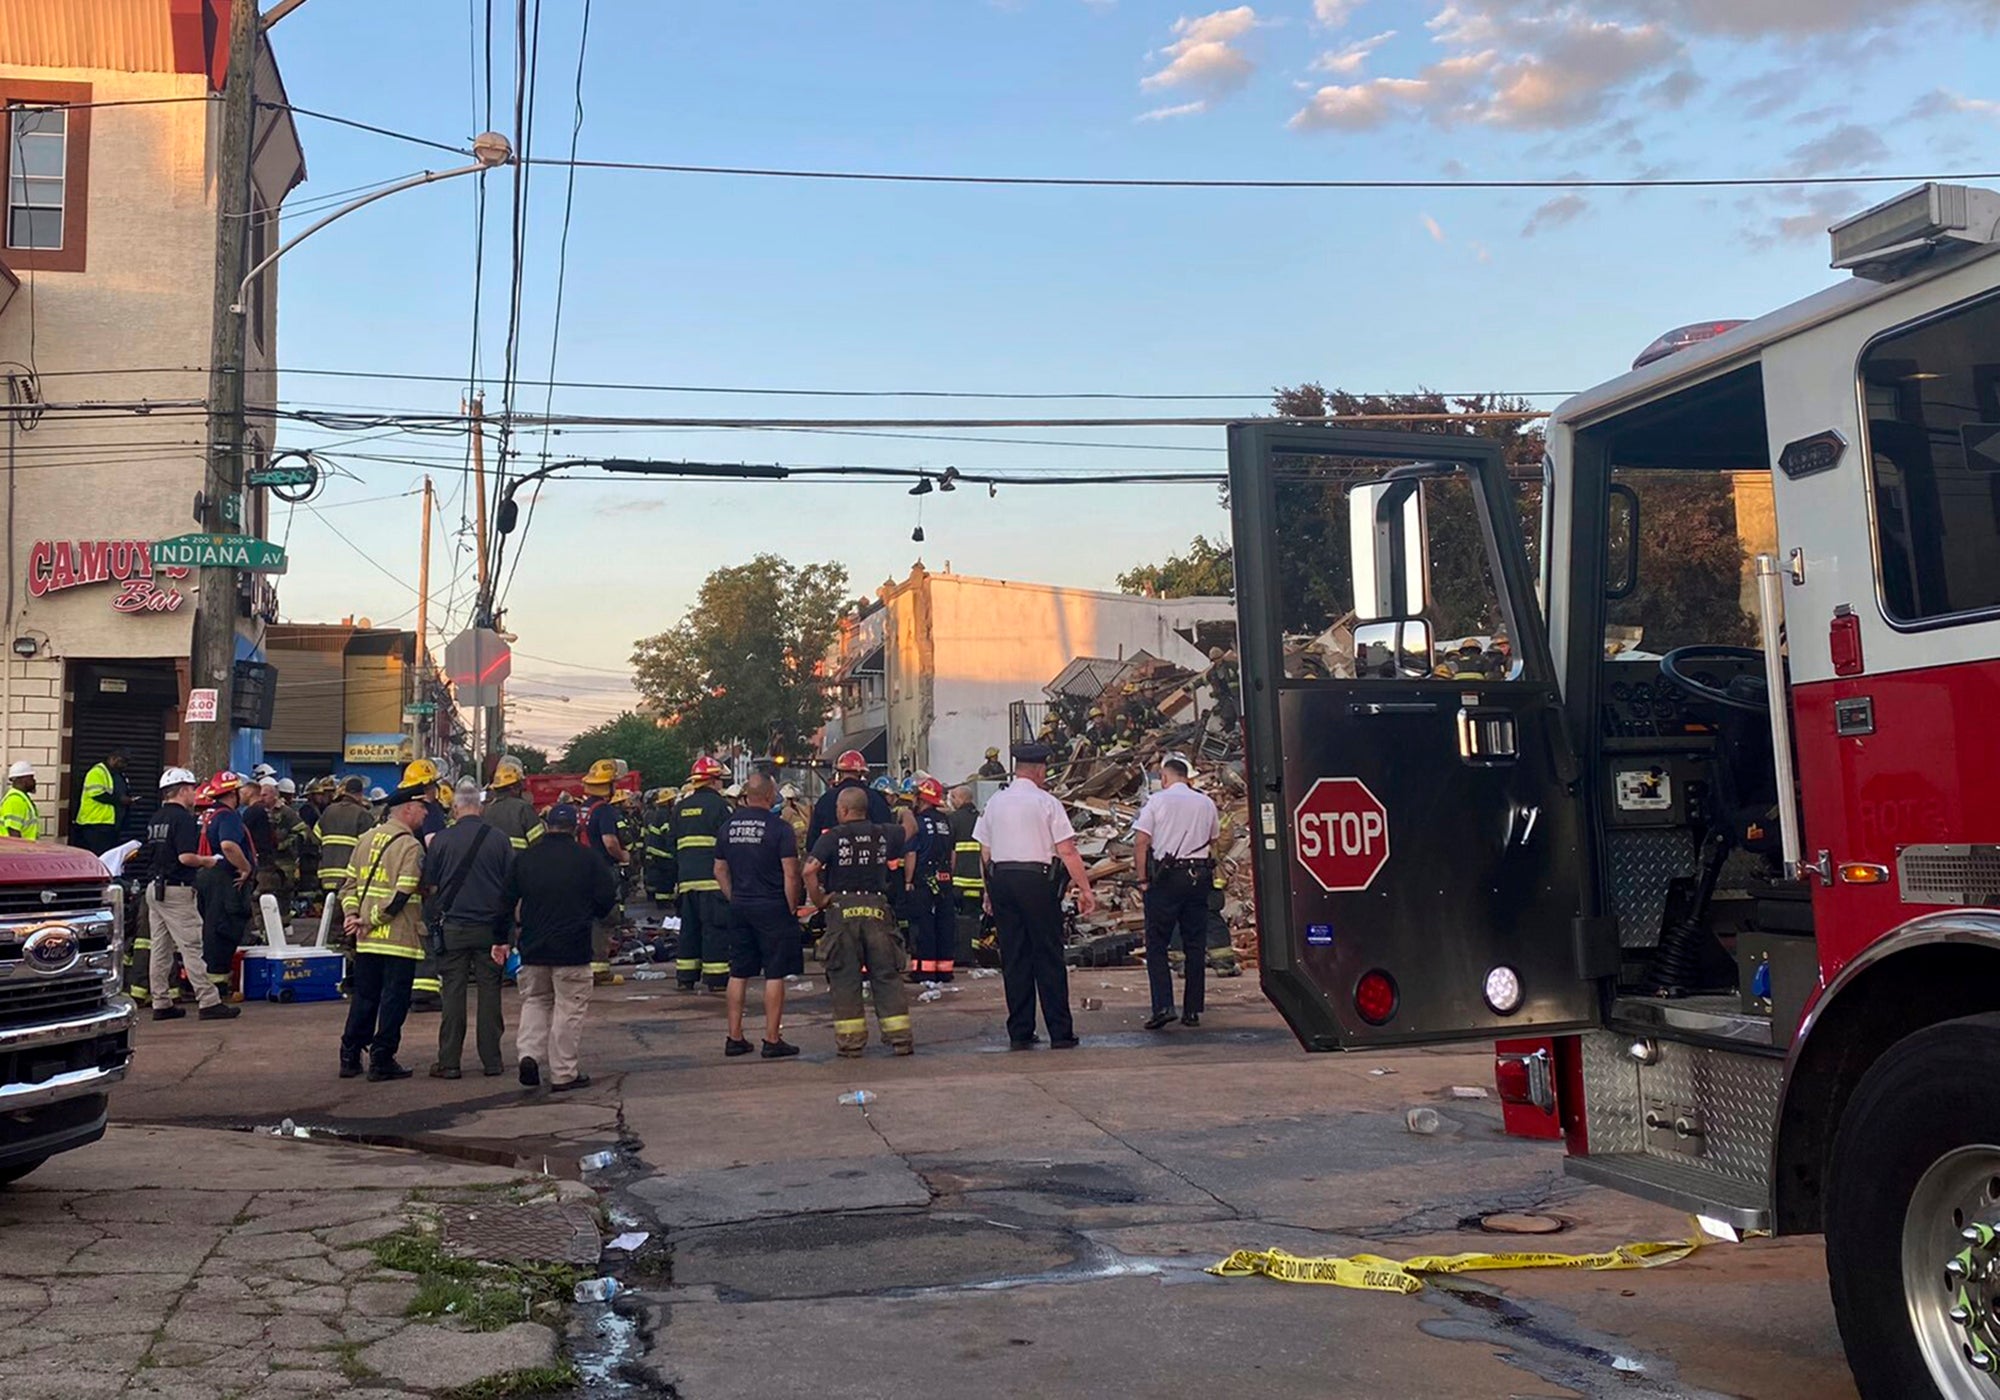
x=1340, y=834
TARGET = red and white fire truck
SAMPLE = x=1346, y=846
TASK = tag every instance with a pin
x=1676, y=765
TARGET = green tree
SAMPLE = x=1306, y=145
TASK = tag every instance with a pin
x=1206, y=570
x=533, y=760
x=657, y=752
x=747, y=662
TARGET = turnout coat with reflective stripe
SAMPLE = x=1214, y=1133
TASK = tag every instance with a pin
x=388, y=861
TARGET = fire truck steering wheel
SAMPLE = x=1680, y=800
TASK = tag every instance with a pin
x=1743, y=692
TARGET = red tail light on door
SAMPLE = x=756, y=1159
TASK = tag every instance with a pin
x=1376, y=997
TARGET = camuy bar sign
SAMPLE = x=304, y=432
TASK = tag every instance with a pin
x=55, y=566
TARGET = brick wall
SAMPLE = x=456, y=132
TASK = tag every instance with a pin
x=33, y=728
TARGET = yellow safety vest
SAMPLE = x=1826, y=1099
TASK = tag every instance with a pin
x=95, y=808
x=19, y=817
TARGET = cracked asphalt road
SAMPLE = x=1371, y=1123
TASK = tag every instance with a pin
x=1003, y=1224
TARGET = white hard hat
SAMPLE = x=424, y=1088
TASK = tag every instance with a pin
x=271, y=783
x=790, y=792
x=176, y=777
x=287, y=786
x=21, y=768
x=376, y=794
x=263, y=771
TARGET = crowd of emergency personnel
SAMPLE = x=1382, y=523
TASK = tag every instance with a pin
x=890, y=883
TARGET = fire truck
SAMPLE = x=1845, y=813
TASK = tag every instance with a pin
x=65, y=1023
x=1674, y=766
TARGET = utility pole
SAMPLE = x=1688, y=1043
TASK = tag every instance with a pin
x=476, y=411
x=214, y=657
x=421, y=689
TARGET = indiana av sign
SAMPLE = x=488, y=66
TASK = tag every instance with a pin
x=55, y=566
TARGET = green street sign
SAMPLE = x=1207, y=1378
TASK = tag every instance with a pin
x=219, y=552
x=299, y=474
x=420, y=707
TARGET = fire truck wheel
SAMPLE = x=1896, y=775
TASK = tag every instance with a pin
x=1913, y=1218
x=11, y=1174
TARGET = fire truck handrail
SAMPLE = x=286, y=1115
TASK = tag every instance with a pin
x=1771, y=619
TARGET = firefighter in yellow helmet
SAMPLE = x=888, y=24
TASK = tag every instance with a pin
x=600, y=826
x=508, y=811
x=702, y=957
x=422, y=776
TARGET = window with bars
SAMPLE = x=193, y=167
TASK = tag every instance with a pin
x=37, y=170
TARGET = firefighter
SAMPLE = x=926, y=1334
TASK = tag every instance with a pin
x=968, y=880
x=927, y=892
x=312, y=801
x=845, y=877
x=176, y=861
x=422, y=776
x=384, y=923
x=796, y=812
x=600, y=827
x=341, y=825
x=850, y=771
x=508, y=810
x=992, y=767
x=703, y=955
x=222, y=891
x=19, y=817
x=662, y=869
x=1099, y=730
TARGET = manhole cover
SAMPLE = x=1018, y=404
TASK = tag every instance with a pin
x=1509, y=1223
x=559, y=1233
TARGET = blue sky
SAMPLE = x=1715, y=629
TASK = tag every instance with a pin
x=728, y=281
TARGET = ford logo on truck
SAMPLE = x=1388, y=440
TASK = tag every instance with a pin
x=51, y=949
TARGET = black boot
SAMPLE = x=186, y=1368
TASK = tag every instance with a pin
x=350, y=1066
x=383, y=1067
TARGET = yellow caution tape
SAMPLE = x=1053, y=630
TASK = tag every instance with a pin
x=1371, y=1271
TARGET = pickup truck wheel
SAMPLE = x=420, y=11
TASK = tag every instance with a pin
x=1913, y=1218
x=10, y=1175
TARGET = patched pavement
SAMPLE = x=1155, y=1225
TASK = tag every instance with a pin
x=995, y=1224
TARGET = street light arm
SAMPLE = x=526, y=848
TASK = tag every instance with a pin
x=428, y=177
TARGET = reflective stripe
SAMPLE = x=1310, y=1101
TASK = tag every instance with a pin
x=370, y=943
x=858, y=1025
x=895, y=1023
x=711, y=968
x=687, y=964
x=139, y=943
x=426, y=984
x=687, y=841
x=687, y=885
x=519, y=843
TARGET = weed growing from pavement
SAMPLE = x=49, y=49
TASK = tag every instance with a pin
x=485, y=1296
x=520, y=1385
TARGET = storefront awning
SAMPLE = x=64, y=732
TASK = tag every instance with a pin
x=873, y=743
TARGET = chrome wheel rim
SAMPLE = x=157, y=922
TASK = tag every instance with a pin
x=1951, y=1272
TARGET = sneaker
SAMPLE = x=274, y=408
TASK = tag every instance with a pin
x=581, y=1081
x=446, y=1072
x=221, y=1011
x=733, y=1047
x=168, y=1013
x=386, y=1068
x=779, y=1049
x=531, y=1073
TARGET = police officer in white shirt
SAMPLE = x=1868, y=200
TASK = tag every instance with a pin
x=1175, y=855
x=1023, y=834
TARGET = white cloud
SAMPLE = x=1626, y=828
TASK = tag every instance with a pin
x=1434, y=229
x=1184, y=109
x=1563, y=209
x=1332, y=14
x=1203, y=54
x=1360, y=106
x=1943, y=102
x=1843, y=150
x=1349, y=60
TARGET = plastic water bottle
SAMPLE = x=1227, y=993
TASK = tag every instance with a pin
x=859, y=1098
x=596, y=1290
x=598, y=1161
x=1423, y=1121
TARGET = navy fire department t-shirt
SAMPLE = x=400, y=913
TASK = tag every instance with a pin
x=227, y=825
x=603, y=822
x=756, y=843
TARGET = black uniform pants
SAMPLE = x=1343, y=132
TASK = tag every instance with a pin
x=225, y=917
x=378, y=1002
x=1177, y=902
x=1029, y=913
x=933, y=928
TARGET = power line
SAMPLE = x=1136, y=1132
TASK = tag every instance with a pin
x=363, y=126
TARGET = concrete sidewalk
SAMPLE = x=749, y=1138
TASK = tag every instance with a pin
x=997, y=1223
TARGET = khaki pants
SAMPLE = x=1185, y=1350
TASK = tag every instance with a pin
x=175, y=925
x=550, y=1033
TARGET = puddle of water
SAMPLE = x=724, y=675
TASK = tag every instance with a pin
x=455, y=1149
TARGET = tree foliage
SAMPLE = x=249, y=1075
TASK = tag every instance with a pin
x=746, y=662
x=1691, y=563
x=657, y=752
x=1206, y=570
x=533, y=760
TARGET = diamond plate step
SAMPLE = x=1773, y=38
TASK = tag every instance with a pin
x=1676, y=1184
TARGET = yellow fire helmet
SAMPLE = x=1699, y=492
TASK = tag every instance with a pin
x=602, y=774
x=507, y=772
x=446, y=792
x=421, y=772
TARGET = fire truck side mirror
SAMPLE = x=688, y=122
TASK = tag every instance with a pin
x=1621, y=534
x=1390, y=549
x=1387, y=651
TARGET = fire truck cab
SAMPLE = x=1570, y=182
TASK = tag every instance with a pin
x=1676, y=758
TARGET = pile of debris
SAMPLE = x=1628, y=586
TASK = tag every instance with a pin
x=1103, y=782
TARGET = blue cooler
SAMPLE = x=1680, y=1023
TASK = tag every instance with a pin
x=289, y=974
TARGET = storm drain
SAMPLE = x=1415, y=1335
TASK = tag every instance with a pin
x=545, y=1233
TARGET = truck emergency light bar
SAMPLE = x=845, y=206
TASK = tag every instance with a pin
x=1883, y=243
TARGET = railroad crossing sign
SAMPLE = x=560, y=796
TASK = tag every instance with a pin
x=219, y=552
x=1340, y=834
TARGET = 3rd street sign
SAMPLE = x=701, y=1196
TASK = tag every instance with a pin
x=219, y=552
